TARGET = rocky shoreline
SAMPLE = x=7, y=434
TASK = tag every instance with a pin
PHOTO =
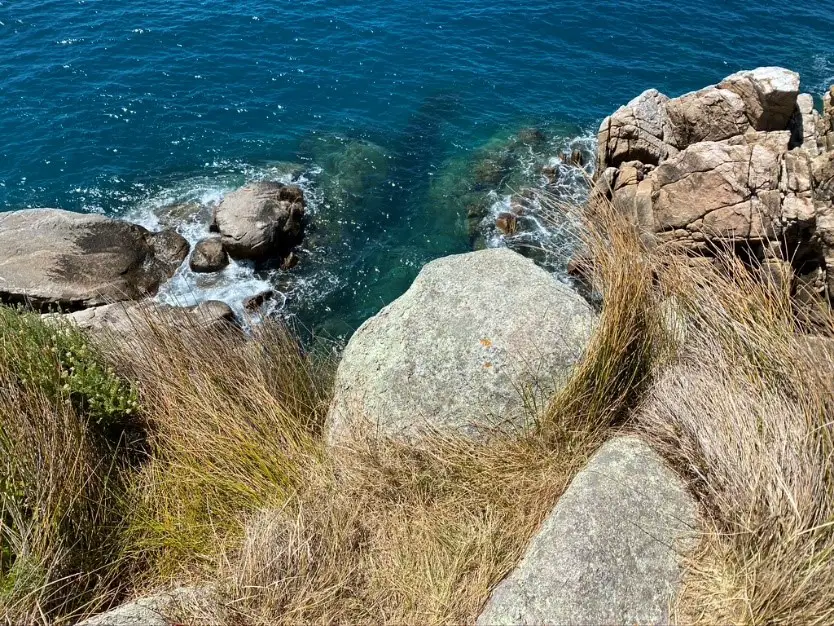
x=745, y=165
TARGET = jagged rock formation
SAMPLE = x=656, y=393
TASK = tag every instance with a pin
x=609, y=552
x=747, y=163
x=458, y=352
x=54, y=258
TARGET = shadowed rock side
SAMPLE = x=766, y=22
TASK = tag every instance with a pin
x=457, y=353
x=747, y=163
x=50, y=257
x=609, y=551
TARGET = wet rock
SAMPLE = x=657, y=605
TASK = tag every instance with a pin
x=507, y=223
x=136, y=318
x=54, y=258
x=258, y=301
x=458, y=350
x=209, y=256
x=550, y=173
x=610, y=551
x=173, y=215
x=531, y=136
x=290, y=261
x=262, y=221
x=169, y=248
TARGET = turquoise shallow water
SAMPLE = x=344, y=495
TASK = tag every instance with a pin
x=124, y=107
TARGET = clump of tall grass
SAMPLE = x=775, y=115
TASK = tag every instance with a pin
x=62, y=416
x=745, y=410
x=232, y=423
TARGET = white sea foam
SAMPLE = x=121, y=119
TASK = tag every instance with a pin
x=238, y=280
x=571, y=185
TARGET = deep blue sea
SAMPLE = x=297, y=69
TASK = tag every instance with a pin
x=385, y=111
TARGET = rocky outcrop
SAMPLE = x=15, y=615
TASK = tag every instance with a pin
x=610, y=551
x=460, y=350
x=134, y=318
x=261, y=222
x=746, y=164
x=54, y=258
x=208, y=256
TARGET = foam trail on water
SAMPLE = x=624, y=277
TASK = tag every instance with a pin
x=569, y=183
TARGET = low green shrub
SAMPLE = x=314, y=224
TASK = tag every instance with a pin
x=56, y=359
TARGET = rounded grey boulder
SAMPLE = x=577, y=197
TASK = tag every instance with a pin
x=261, y=221
x=476, y=338
x=50, y=257
x=208, y=256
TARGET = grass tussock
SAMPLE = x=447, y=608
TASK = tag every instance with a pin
x=744, y=409
x=63, y=419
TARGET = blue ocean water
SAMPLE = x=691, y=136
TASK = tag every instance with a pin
x=380, y=107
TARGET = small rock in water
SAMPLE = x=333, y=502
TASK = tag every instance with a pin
x=531, y=136
x=507, y=223
x=256, y=302
x=170, y=248
x=290, y=261
x=209, y=256
x=550, y=173
x=261, y=221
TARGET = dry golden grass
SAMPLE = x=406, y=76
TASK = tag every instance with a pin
x=237, y=489
x=744, y=410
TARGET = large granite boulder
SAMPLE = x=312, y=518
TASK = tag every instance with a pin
x=54, y=258
x=262, y=221
x=460, y=351
x=609, y=552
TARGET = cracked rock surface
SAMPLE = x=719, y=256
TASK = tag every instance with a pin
x=746, y=164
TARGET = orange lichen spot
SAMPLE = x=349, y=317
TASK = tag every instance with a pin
x=486, y=343
x=487, y=365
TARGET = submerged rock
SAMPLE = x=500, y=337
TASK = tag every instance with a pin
x=54, y=258
x=209, y=256
x=609, y=552
x=458, y=353
x=262, y=221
